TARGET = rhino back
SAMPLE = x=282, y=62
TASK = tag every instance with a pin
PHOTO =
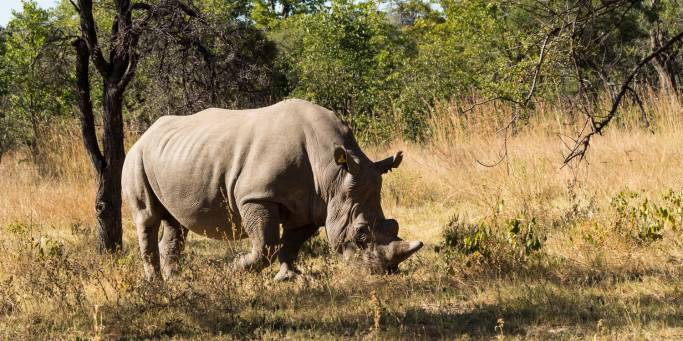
x=202, y=167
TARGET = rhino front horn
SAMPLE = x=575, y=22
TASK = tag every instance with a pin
x=403, y=249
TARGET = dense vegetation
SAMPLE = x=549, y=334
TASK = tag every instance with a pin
x=382, y=66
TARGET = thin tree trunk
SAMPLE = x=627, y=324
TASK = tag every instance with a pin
x=108, y=200
x=108, y=164
x=35, y=149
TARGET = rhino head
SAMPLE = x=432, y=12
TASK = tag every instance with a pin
x=355, y=223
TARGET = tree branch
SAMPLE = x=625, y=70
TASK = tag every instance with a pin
x=537, y=69
x=89, y=35
x=78, y=10
x=85, y=106
x=582, y=145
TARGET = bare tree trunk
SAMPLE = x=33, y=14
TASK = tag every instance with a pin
x=35, y=149
x=108, y=165
x=108, y=200
x=116, y=73
x=286, y=8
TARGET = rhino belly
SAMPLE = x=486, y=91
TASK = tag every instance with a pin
x=216, y=227
x=200, y=206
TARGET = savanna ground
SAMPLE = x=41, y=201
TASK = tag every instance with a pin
x=527, y=249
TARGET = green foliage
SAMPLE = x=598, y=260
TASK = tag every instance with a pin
x=346, y=58
x=466, y=238
x=33, y=75
x=267, y=13
x=523, y=236
x=504, y=246
x=381, y=66
x=644, y=220
x=226, y=10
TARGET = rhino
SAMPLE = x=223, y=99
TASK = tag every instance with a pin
x=234, y=174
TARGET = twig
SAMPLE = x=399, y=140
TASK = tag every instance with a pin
x=478, y=104
x=537, y=69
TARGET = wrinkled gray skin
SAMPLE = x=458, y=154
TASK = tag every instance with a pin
x=232, y=174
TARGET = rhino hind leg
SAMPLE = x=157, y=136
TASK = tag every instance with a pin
x=148, y=232
x=171, y=246
x=262, y=223
x=292, y=239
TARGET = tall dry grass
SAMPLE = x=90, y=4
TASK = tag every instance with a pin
x=592, y=277
x=447, y=170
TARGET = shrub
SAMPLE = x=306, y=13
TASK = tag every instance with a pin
x=466, y=238
x=345, y=58
x=523, y=236
x=503, y=246
x=644, y=220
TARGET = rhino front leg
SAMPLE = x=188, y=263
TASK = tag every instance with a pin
x=171, y=246
x=292, y=239
x=262, y=223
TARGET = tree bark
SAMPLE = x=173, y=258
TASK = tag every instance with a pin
x=108, y=164
x=108, y=200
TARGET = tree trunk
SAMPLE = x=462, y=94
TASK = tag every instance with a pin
x=108, y=164
x=108, y=200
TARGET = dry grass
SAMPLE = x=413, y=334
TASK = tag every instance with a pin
x=592, y=277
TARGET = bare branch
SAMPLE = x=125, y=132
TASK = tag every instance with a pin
x=478, y=104
x=85, y=105
x=537, y=69
x=75, y=6
x=89, y=35
x=584, y=143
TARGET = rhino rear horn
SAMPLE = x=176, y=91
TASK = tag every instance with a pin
x=389, y=163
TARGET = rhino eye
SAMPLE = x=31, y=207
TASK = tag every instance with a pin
x=362, y=235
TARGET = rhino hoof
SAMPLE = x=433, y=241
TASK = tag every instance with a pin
x=286, y=275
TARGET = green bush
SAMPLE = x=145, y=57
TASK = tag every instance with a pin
x=503, y=246
x=644, y=220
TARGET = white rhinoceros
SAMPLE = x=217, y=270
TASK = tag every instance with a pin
x=232, y=174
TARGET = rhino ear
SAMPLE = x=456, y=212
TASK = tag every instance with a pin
x=389, y=163
x=342, y=158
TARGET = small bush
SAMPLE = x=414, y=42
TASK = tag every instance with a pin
x=466, y=238
x=503, y=246
x=524, y=236
x=644, y=220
